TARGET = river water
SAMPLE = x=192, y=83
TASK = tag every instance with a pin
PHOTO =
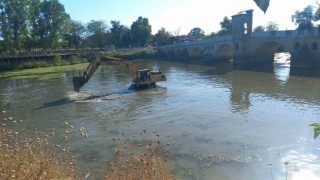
x=248, y=121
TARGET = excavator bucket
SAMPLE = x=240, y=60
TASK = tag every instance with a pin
x=78, y=82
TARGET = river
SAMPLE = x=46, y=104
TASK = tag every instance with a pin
x=250, y=121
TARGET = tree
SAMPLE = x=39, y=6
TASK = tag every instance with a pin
x=141, y=31
x=162, y=37
x=14, y=23
x=53, y=23
x=33, y=39
x=226, y=26
x=212, y=34
x=196, y=32
x=304, y=18
x=222, y=33
x=97, y=31
x=272, y=26
x=76, y=34
x=317, y=13
x=259, y=29
x=119, y=34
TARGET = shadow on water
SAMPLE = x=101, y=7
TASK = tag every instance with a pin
x=266, y=68
x=55, y=103
x=85, y=97
x=305, y=72
x=219, y=68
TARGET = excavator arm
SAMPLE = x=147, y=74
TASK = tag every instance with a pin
x=78, y=82
x=127, y=64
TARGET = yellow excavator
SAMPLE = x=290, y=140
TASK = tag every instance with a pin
x=144, y=78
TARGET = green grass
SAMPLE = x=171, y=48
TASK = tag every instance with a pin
x=45, y=72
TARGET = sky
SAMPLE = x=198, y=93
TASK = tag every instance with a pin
x=180, y=16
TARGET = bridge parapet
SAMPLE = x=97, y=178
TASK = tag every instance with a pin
x=287, y=33
x=213, y=40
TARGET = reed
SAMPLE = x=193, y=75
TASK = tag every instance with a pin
x=37, y=155
x=144, y=159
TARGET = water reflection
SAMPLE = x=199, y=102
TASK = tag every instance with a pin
x=243, y=118
x=299, y=164
x=240, y=101
x=282, y=74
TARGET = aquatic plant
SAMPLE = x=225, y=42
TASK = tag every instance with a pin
x=316, y=129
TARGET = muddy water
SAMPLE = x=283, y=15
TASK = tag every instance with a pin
x=241, y=118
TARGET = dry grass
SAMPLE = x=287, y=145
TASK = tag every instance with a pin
x=38, y=155
x=34, y=156
x=143, y=160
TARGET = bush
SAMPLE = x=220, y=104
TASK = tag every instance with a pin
x=57, y=60
x=76, y=60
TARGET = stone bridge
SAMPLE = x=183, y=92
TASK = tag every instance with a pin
x=247, y=47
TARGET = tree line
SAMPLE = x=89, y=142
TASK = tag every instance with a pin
x=37, y=25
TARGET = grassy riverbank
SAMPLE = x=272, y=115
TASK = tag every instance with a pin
x=38, y=72
x=32, y=64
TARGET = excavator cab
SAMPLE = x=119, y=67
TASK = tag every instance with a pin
x=144, y=75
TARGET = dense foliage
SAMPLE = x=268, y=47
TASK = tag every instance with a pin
x=30, y=26
x=272, y=26
x=259, y=29
x=141, y=31
x=196, y=32
x=162, y=37
x=304, y=18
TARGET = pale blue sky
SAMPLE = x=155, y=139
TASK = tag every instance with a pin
x=182, y=15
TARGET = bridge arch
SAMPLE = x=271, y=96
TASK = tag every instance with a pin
x=182, y=54
x=314, y=46
x=196, y=52
x=178, y=52
x=265, y=51
x=224, y=52
x=296, y=46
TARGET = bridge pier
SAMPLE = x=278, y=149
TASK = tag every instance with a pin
x=304, y=58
